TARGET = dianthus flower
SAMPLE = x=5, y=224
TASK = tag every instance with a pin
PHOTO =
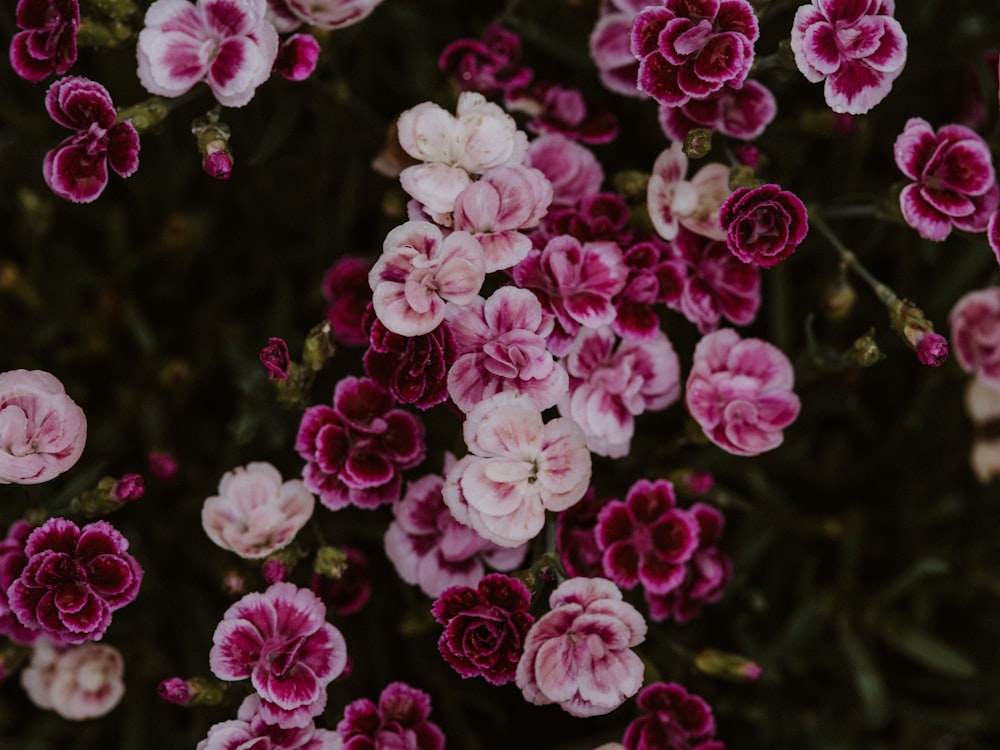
x=347, y=594
x=517, y=468
x=764, y=224
x=250, y=731
x=256, y=512
x=281, y=641
x=79, y=682
x=578, y=654
x=12, y=562
x=345, y=288
x=46, y=43
x=611, y=382
x=610, y=49
x=739, y=391
x=982, y=404
x=672, y=718
x=502, y=345
x=674, y=201
x=274, y=357
x=484, y=627
x=570, y=167
x=229, y=44
x=635, y=317
x=954, y=182
x=489, y=65
x=742, y=113
x=356, y=449
x=689, y=49
x=575, y=541
x=557, y=109
x=400, y=720
x=77, y=169
x=975, y=334
x=332, y=14
x=857, y=48
x=297, y=57
x=599, y=216
x=73, y=580
x=432, y=550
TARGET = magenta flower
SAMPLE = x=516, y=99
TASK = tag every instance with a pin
x=517, y=468
x=689, y=49
x=742, y=113
x=297, y=57
x=557, y=109
x=348, y=594
x=764, y=224
x=484, y=627
x=281, y=641
x=635, y=316
x=73, y=580
x=570, y=167
x=229, y=44
x=611, y=382
x=46, y=43
x=274, y=357
x=975, y=334
x=674, y=201
x=578, y=654
x=610, y=46
x=600, y=216
x=77, y=169
x=400, y=720
x=80, y=682
x=740, y=392
x=954, y=182
x=855, y=46
x=12, y=562
x=575, y=542
x=672, y=718
x=251, y=731
x=356, y=449
x=332, y=14
x=432, y=550
x=502, y=340
x=489, y=65
x=345, y=288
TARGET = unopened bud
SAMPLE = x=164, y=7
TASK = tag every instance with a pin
x=743, y=176
x=213, y=145
x=274, y=357
x=330, y=562
x=109, y=495
x=631, y=184
x=197, y=691
x=727, y=666
x=838, y=299
x=274, y=571
x=865, y=351
x=319, y=346
x=909, y=322
x=145, y=115
x=697, y=143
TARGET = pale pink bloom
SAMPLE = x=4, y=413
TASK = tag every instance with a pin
x=855, y=47
x=250, y=730
x=496, y=207
x=502, y=345
x=975, y=334
x=419, y=271
x=281, y=16
x=570, y=167
x=982, y=403
x=674, y=202
x=332, y=14
x=42, y=430
x=229, y=44
x=612, y=382
x=739, y=391
x=579, y=655
x=255, y=512
x=517, y=468
x=610, y=46
x=80, y=682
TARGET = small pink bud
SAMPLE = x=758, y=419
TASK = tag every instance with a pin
x=748, y=154
x=130, y=487
x=932, y=350
x=274, y=571
x=175, y=690
x=162, y=465
x=274, y=357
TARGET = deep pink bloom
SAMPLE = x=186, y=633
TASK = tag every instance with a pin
x=274, y=357
x=610, y=49
x=349, y=593
x=993, y=234
x=77, y=169
x=175, y=690
x=557, y=109
x=162, y=465
x=12, y=562
x=742, y=113
x=489, y=65
x=975, y=334
x=599, y=216
x=635, y=316
x=570, y=167
x=855, y=46
x=575, y=540
x=740, y=392
x=400, y=720
x=250, y=730
x=484, y=627
x=297, y=57
x=932, y=349
x=578, y=654
x=332, y=14
x=672, y=718
x=689, y=49
x=763, y=225
x=229, y=44
x=954, y=182
x=129, y=488
x=356, y=449
x=74, y=579
x=79, y=682
x=345, y=288
x=47, y=40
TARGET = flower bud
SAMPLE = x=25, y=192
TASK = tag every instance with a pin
x=330, y=562
x=838, y=299
x=213, y=145
x=697, y=143
x=129, y=487
x=865, y=351
x=162, y=465
x=197, y=691
x=909, y=322
x=145, y=115
x=109, y=495
x=274, y=571
x=726, y=666
x=319, y=346
x=274, y=357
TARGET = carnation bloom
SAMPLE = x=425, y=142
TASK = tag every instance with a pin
x=570, y=167
x=517, y=468
x=857, y=48
x=80, y=682
x=400, y=720
x=345, y=288
x=578, y=654
x=229, y=44
x=764, y=224
x=739, y=391
x=674, y=201
x=672, y=718
x=488, y=65
x=557, y=109
x=77, y=169
x=975, y=334
x=12, y=562
x=742, y=113
x=281, y=641
x=610, y=49
x=73, y=580
x=256, y=512
x=297, y=57
x=46, y=43
x=332, y=14
x=954, y=182
x=635, y=317
x=575, y=542
x=42, y=430
x=250, y=730
x=274, y=357
x=484, y=627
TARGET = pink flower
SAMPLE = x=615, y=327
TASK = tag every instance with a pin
x=73, y=580
x=611, y=383
x=12, y=562
x=764, y=224
x=432, y=550
x=488, y=65
x=348, y=594
x=742, y=113
x=274, y=357
x=400, y=720
x=251, y=731
x=297, y=57
x=578, y=654
x=635, y=316
x=610, y=49
x=502, y=340
x=575, y=541
x=485, y=627
x=281, y=641
x=975, y=334
x=42, y=430
x=740, y=392
x=81, y=682
x=601, y=216
x=672, y=718
x=570, y=167
x=229, y=44
x=557, y=109
x=855, y=46
x=954, y=182
x=517, y=468
x=255, y=512
x=77, y=169
x=674, y=201
x=356, y=449
x=47, y=40
x=162, y=465
x=689, y=49
x=345, y=288
x=332, y=14
x=419, y=271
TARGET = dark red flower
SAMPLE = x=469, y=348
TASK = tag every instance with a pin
x=47, y=42
x=488, y=65
x=672, y=718
x=274, y=357
x=763, y=225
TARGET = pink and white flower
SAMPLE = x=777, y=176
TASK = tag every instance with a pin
x=46, y=43
x=674, y=202
x=297, y=57
x=78, y=683
x=517, y=468
x=332, y=14
x=228, y=44
x=855, y=47
x=975, y=334
x=610, y=46
x=742, y=113
x=250, y=729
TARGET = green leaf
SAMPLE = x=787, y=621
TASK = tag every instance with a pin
x=929, y=651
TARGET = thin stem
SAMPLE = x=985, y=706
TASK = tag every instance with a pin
x=850, y=260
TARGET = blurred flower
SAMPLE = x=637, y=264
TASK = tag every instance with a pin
x=46, y=43
x=400, y=720
x=250, y=730
x=274, y=357
x=982, y=403
x=764, y=224
x=129, y=487
x=975, y=334
x=742, y=113
x=345, y=288
x=672, y=718
x=297, y=57
x=12, y=561
x=80, y=682
x=674, y=202
x=609, y=46
x=348, y=593
x=162, y=465
x=857, y=48
x=489, y=65
x=558, y=109
x=571, y=168
x=332, y=14
x=579, y=653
